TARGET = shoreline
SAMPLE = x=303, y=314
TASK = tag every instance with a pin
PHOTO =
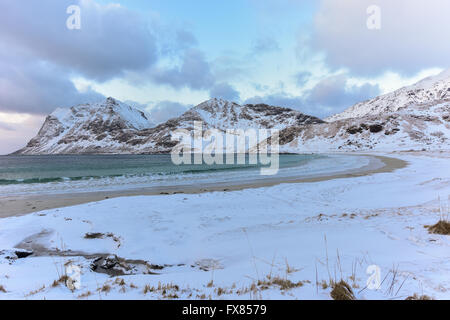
x=24, y=204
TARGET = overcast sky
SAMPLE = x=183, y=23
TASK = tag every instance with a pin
x=165, y=56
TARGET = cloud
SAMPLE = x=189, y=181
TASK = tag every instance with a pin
x=165, y=110
x=224, y=91
x=279, y=99
x=6, y=127
x=329, y=96
x=411, y=38
x=112, y=39
x=264, y=45
x=161, y=111
x=39, y=56
x=334, y=93
x=302, y=78
x=194, y=72
x=172, y=41
x=36, y=87
x=13, y=140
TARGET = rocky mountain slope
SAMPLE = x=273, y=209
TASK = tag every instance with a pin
x=427, y=92
x=87, y=128
x=412, y=118
x=113, y=127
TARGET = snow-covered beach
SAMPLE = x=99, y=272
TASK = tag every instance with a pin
x=287, y=241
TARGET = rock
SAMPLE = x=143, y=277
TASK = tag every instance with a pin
x=374, y=128
x=392, y=131
x=23, y=253
x=116, y=266
x=354, y=130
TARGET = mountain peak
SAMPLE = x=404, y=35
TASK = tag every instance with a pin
x=214, y=102
x=443, y=77
x=111, y=100
x=445, y=73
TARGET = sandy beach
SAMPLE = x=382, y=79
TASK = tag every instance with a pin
x=23, y=204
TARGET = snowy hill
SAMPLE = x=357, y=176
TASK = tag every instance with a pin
x=223, y=115
x=114, y=127
x=412, y=118
x=87, y=128
x=429, y=91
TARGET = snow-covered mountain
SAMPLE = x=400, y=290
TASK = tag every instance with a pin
x=87, y=128
x=223, y=115
x=427, y=92
x=412, y=118
x=114, y=127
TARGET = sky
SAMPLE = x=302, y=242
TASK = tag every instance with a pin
x=165, y=56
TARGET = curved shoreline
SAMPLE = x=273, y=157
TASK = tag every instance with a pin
x=20, y=205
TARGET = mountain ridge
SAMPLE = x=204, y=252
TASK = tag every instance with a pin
x=117, y=132
x=412, y=117
x=429, y=91
x=415, y=117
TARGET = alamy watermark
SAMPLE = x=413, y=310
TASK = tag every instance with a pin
x=374, y=19
x=374, y=280
x=234, y=146
x=73, y=22
x=73, y=281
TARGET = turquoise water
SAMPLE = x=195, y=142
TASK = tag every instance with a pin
x=65, y=168
x=76, y=173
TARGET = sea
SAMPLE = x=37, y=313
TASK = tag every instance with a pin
x=78, y=173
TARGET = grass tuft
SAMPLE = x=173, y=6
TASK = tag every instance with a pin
x=106, y=288
x=84, y=295
x=342, y=291
x=417, y=297
x=442, y=227
x=61, y=280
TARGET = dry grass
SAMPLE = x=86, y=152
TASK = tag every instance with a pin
x=417, y=297
x=84, y=295
x=290, y=269
x=220, y=291
x=133, y=286
x=148, y=289
x=61, y=280
x=442, y=227
x=166, y=290
x=31, y=293
x=282, y=283
x=106, y=288
x=342, y=291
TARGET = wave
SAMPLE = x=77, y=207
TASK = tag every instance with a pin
x=38, y=180
x=49, y=180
